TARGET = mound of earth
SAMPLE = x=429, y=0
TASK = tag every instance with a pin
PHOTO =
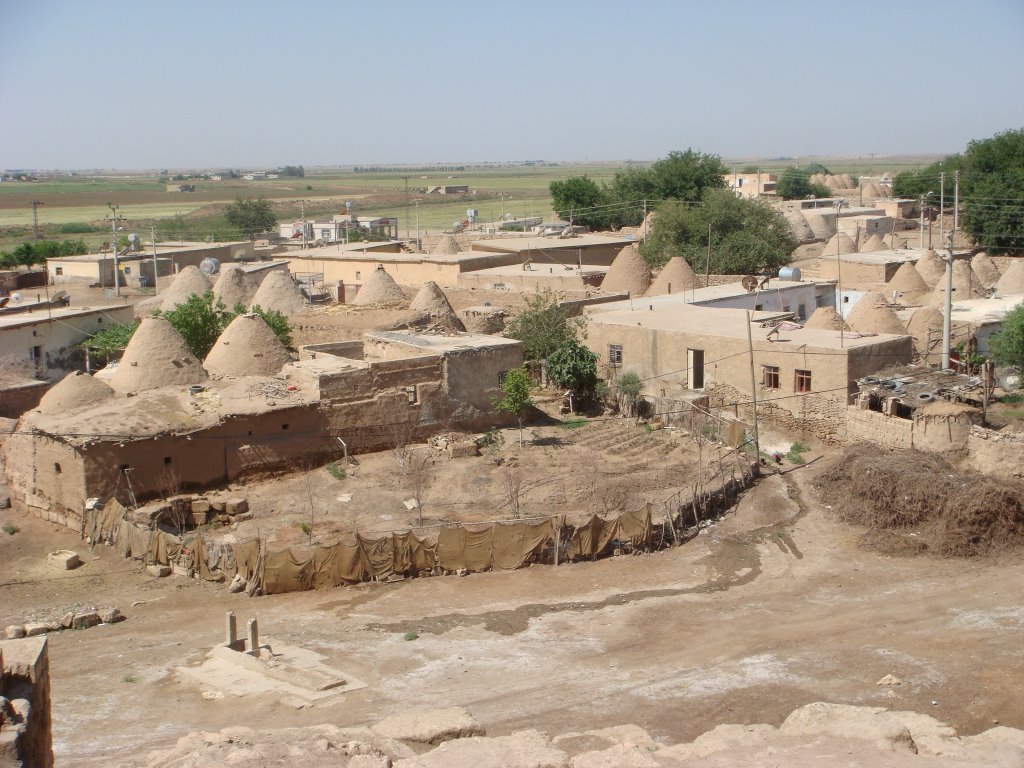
x=247, y=347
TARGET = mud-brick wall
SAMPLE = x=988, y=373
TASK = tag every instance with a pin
x=46, y=478
x=817, y=416
x=25, y=679
x=875, y=427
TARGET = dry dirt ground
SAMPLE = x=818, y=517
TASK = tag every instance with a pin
x=771, y=608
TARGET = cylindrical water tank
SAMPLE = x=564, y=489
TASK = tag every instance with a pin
x=790, y=273
x=209, y=266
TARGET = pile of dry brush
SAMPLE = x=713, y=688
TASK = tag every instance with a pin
x=912, y=501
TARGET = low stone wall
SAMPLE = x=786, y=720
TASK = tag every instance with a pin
x=875, y=427
x=26, y=737
x=996, y=453
x=815, y=416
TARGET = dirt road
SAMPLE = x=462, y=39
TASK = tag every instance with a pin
x=771, y=608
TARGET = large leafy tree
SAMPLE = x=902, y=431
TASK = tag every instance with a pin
x=581, y=200
x=796, y=184
x=747, y=236
x=926, y=181
x=544, y=325
x=574, y=366
x=251, y=217
x=200, y=320
x=991, y=190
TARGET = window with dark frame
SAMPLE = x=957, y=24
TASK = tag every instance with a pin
x=770, y=376
x=801, y=381
x=615, y=355
x=502, y=375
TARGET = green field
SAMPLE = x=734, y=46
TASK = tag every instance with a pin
x=144, y=202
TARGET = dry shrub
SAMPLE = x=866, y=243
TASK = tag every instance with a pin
x=986, y=516
x=895, y=493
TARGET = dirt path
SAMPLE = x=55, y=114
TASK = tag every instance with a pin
x=771, y=608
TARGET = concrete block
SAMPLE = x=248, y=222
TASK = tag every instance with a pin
x=64, y=559
x=34, y=628
x=236, y=506
x=85, y=620
x=14, y=631
x=158, y=570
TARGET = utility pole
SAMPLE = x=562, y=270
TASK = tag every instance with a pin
x=302, y=214
x=947, y=314
x=956, y=199
x=114, y=218
x=753, y=388
x=407, y=217
x=839, y=274
x=645, y=221
x=35, y=219
x=418, y=246
x=942, y=207
x=707, y=264
x=156, y=289
x=920, y=241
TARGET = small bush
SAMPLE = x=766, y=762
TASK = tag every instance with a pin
x=10, y=529
x=573, y=423
x=128, y=679
x=411, y=635
x=76, y=228
x=795, y=454
x=336, y=471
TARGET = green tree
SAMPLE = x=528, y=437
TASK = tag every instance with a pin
x=991, y=188
x=678, y=176
x=199, y=321
x=109, y=341
x=630, y=386
x=582, y=200
x=251, y=217
x=515, y=399
x=1007, y=346
x=574, y=366
x=925, y=181
x=795, y=184
x=747, y=236
x=544, y=325
x=27, y=255
x=278, y=323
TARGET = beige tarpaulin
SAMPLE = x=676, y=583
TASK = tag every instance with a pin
x=513, y=544
x=413, y=554
x=378, y=555
x=284, y=572
x=103, y=525
x=337, y=565
x=465, y=548
x=635, y=527
x=591, y=538
x=247, y=556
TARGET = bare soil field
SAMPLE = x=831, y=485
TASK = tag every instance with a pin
x=772, y=607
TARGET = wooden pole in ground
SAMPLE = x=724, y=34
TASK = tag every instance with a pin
x=558, y=537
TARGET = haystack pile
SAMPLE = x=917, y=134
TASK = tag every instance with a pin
x=798, y=226
x=76, y=390
x=843, y=242
x=908, y=282
x=247, y=347
x=820, y=226
x=985, y=268
x=898, y=494
x=432, y=301
x=873, y=243
x=629, y=272
x=156, y=356
x=1012, y=281
x=826, y=319
x=188, y=282
x=923, y=325
x=446, y=246
x=873, y=315
x=234, y=287
x=380, y=288
x=676, y=276
x=931, y=268
x=279, y=292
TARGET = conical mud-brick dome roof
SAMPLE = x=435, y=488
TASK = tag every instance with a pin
x=431, y=300
x=188, y=282
x=925, y=323
x=676, y=276
x=985, y=268
x=908, y=280
x=1012, y=281
x=447, y=245
x=379, y=288
x=279, y=292
x=247, y=347
x=873, y=243
x=156, y=356
x=845, y=245
x=629, y=272
x=826, y=319
x=931, y=268
x=233, y=287
x=798, y=226
x=76, y=390
x=872, y=315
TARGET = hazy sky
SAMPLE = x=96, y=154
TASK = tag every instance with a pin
x=88, y=83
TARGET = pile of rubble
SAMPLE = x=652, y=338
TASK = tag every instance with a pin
x=190, y=511
x=76, y=617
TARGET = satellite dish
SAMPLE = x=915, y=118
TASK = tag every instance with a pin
x=749, y=283
x=209, y=266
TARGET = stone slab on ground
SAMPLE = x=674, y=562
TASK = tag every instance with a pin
x=523, y=749
x=431, y=726
x=64, y=559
